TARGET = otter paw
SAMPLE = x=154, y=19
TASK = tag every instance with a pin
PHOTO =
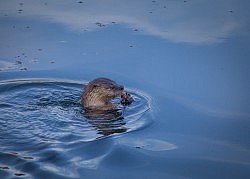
x=126, y=99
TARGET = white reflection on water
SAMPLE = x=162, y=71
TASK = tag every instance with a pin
x=88, y=163
x=5, y=65
x=209, y=110
x=191, y=21
x=148, y=144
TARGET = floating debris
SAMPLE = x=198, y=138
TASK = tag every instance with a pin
x=24, y=69
x=80, y=2
x=40, y=49
x=48, y=140
x=28, y=158
x=19, y=62
x=13, y=153
x=99, y=24
x=4, y=168
x=21, y=3
x=19, y=174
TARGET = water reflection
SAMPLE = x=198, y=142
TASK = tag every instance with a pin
x=135, y=42
x=178, y=21
x=106, y=122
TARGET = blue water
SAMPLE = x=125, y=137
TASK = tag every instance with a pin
x=186, y=64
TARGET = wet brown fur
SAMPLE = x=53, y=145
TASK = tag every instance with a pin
x=99, y=93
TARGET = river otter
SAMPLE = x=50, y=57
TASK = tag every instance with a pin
x=99, y=95
x=101, y=100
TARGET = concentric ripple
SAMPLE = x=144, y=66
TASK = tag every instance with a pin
x=50, y=111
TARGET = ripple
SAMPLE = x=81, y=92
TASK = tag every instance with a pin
x=49, y=111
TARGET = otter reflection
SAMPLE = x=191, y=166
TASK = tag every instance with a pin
x=102, y=100
x=106, y=122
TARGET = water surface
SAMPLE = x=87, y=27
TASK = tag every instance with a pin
x=185, y=62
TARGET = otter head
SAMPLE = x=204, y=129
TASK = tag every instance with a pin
x=98, y=94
